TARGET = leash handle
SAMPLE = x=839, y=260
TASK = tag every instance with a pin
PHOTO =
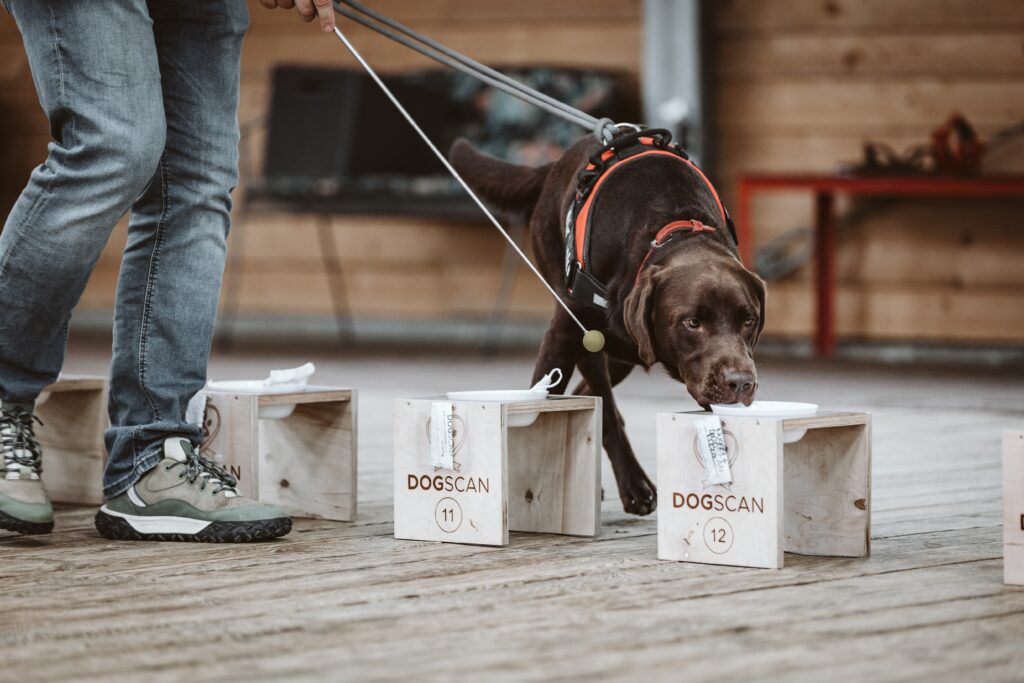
x=603, y=128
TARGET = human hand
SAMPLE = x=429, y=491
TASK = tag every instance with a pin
x=308, y=10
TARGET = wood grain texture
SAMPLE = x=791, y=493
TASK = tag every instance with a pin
x=811, y=497
x=554, y=470
x=841, y=16
x=827, y=491
x=468, y=504
x=305, y=463
x=542, y=477
x=738, y=524
x=309, y=461
x=340, y=600
x=73, y=417
x=878, y=54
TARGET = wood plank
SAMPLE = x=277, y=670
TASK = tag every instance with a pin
x=739, y=17
x=826, y=420
x=485, y=14
x=822, y=104
x=554, y=472
x=73, y=416
x=312, y=394
x=68, y=383
x=613, y=45
x=827, y=492
x=308, y=460
x=419, y=292
x=919, y=243
x=554, y=404
x=908, y=313
x=891, y=52
x=738, y=524
x=473, y=511
x=280, y=241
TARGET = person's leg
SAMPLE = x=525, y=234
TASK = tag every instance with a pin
x=171, y=273
x=158, y=486
x=96, y=74
x=95, y=69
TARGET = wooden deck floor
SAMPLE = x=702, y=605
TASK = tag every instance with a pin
x=338, y=601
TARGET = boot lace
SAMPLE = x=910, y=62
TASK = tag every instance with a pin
x=198, y=466
x=18, y=445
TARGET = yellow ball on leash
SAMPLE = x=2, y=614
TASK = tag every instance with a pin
x=593, y=341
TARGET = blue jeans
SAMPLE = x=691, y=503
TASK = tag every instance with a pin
x=142, y=101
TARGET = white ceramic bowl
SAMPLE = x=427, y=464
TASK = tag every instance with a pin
x=770, y=409
x=257, y=386
x=505, y=396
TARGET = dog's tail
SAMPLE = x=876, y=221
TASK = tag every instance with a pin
x=509, y=187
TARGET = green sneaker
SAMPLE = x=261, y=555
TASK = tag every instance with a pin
x=188, y=497
x=24, y=506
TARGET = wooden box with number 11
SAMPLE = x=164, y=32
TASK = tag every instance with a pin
x=526, y=466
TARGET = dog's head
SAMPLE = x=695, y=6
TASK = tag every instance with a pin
x=699, y=313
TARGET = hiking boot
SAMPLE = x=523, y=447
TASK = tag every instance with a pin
x=188, y=497
x=24, y=506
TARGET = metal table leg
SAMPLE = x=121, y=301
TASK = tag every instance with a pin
x=825, y=286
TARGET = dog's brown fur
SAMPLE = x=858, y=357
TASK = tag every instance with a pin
x=695, y=308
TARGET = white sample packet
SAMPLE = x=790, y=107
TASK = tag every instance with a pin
x=712, y=451
x=195, y=413
x=442, y=435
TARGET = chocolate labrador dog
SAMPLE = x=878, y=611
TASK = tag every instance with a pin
x=687, y=303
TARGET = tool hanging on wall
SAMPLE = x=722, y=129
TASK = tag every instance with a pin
x=604, y=129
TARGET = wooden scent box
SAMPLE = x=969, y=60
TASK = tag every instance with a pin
x=1013, y=508
x=294, y=450
x=811, y=497
x=73, y=412
x=542, y=476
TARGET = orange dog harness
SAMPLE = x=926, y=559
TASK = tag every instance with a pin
x=622, y=151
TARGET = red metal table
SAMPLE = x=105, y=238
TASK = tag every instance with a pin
x=825, y=188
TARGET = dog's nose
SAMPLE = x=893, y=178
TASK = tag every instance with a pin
x=739, y=383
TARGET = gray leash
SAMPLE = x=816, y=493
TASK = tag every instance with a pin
x=604, y=128
x=593, y=340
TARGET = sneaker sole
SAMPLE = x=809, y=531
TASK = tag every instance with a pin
x=20, y=526
x=178, y=529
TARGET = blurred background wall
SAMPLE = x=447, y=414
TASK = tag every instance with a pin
x=792, y=85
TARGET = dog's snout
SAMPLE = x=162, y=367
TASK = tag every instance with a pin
x=739, y=384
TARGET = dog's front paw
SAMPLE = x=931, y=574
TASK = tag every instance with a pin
x=639, y=497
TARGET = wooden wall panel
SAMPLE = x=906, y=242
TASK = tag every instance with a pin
x=760, y=17
x=800, y=84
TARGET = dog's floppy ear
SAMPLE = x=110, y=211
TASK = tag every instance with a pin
x=636, y=313
x=757, y=284
x=509, y=187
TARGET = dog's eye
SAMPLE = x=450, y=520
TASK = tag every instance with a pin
x=692, y=323
x=749, y=322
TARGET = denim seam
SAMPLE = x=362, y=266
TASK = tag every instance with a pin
x=147, y=305
x=135, y=445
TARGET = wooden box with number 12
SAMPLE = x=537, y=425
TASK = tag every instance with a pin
x=811, y=496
